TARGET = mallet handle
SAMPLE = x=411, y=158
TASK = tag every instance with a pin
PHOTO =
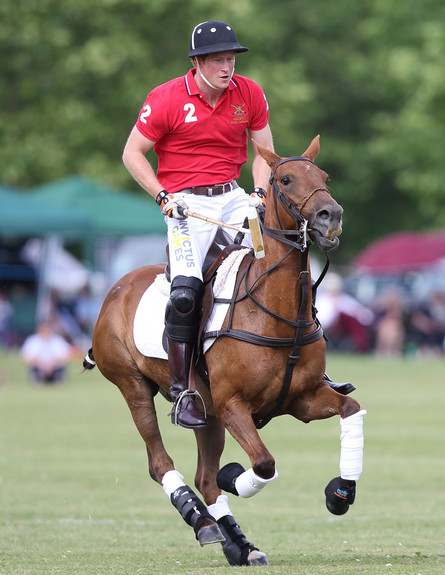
x=255, y=231
x=191, y=214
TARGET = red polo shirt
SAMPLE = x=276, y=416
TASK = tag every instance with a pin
x=196, y=144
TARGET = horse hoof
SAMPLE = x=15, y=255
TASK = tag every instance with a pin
x=210, y=534
x=236, y=548
x=256, y=557
x=227, y=475
x=338, y=496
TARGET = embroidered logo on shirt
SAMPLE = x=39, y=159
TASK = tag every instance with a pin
x=239, y=115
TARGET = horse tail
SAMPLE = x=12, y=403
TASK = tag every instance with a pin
x=88, y=360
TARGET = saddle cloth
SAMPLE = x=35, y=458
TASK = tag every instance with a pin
x=148, y=324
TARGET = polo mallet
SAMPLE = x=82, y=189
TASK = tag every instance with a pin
x=254, y=228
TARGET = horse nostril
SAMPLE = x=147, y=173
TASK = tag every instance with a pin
x=323, y=216
x=329, y=217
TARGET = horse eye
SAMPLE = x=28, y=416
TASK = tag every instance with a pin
x=285, y=181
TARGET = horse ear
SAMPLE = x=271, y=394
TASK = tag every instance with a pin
x=313, y=149
x=271, y=158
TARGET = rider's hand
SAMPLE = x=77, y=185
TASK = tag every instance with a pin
x=171, y=206
x=257, y=199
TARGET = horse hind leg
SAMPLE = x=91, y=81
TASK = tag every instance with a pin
x=138, y=392
x=193, y=511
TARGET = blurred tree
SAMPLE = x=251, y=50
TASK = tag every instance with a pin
x=367, y=76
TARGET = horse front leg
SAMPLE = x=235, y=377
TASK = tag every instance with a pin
x=340, y=491
x=237, y=549
x=232, y=477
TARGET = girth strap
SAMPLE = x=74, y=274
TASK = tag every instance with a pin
x=265, y=340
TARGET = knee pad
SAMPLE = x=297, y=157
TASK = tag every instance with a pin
x=184, y=308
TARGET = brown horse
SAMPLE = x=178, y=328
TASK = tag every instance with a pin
x=269, y=359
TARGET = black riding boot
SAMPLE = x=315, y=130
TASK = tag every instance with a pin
x=185, y=412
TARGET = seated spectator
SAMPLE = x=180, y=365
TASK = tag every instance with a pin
x=344, y=319
x=427, y=325
x=46, y=353
x=389, y=325
x=6, y=312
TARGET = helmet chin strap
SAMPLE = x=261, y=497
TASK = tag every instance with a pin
x=205, y=79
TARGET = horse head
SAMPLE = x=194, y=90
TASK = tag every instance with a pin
x=298, y=194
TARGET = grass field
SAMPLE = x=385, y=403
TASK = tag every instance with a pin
x=75, y=496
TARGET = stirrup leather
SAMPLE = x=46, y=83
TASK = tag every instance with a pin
x=177, y=404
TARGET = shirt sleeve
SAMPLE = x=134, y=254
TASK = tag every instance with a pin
x=260, y=107
x=152, y=121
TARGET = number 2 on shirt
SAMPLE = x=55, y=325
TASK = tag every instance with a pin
x=190, y=108
x=143, y=117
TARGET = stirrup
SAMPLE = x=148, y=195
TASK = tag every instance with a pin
x=174, y=412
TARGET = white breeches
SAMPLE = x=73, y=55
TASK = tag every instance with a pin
x=189, y=240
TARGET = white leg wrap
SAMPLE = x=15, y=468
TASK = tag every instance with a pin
x=220, y=508
x=171, y=481
x=249, y=484
x=351, y=438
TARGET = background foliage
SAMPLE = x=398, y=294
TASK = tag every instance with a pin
x=368, y=76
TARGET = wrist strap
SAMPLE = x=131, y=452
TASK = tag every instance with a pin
x=260, y=192
x=161, y=197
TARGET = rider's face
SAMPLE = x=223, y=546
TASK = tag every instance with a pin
x=218, y=68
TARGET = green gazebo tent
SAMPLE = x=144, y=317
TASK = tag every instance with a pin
x=111, y=212
x=22, y=215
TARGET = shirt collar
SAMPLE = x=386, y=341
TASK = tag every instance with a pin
x=193, y=89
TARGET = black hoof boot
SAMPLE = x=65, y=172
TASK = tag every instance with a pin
x=237, y=549
x=339, y=496
x=195, y=514
x=227, y=475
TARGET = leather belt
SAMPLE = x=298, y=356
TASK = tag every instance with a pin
x=217, y=190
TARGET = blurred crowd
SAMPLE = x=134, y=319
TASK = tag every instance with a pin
x=61, y=333
x=71, y=317
x=392, y=326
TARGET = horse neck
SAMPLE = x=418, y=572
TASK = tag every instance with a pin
x=279, y=287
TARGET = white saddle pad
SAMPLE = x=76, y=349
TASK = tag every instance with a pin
x=150, y=314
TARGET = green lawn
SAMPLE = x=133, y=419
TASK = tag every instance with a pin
x=75, y=495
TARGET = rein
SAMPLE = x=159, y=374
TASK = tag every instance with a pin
x=297, y=240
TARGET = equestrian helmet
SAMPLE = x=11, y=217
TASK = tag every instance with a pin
x=211, y=37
